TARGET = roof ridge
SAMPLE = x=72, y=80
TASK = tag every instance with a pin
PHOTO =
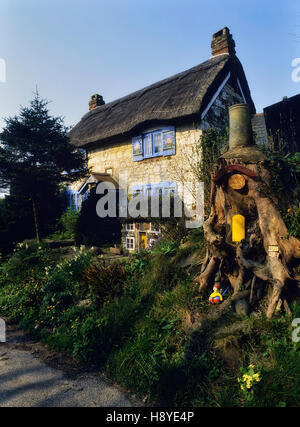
x=139, y=93
x=181, y=95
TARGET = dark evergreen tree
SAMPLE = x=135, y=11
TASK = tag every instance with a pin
x=36, y=161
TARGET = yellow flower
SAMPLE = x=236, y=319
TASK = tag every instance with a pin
x=251, y=366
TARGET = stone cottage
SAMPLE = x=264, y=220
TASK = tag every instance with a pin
x=146, y=135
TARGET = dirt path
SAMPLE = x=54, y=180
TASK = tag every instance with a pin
x=33, y=376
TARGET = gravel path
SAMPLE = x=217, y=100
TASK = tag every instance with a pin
x=33, y=376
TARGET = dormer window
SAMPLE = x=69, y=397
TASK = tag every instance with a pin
x=160, y=142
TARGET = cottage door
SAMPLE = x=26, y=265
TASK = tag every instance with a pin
x=143, y=241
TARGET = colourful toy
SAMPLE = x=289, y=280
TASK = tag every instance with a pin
x=216, y=296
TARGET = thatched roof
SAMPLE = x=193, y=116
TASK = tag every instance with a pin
x=182, y=95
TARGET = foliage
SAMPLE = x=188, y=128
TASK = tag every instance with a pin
x=103, y=283
x=276, y=357
x=197, y=162
x=295, y=162
x=6, y=240
x=66, y=225
x=91, y=230
x=284, y=186
x=292, y=221
x=35, y=159
x=211, y=145
x=248, y=380
x=28, y=259
x=134, y=320
x=165, y=247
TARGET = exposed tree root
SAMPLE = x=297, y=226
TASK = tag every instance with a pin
x=267, y=254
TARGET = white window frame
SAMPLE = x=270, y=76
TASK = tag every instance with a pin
x=157, y=231
x=128, y=239
x=130, y=226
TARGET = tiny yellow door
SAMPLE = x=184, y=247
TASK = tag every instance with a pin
x=238, y=228
x=143, y=241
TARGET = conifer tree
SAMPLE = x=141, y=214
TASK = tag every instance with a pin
x=36, y=160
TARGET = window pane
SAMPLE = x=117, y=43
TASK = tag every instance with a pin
x=158, y=143
x=130, y=243
x=148, y=145
x=130, y=226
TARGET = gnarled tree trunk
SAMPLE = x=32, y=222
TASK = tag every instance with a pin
x=242, y=185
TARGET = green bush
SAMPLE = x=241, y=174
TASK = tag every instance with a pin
x=28, y=259
x=66, y=225
x=292, y=221
x=91, y=230
x=103, y=283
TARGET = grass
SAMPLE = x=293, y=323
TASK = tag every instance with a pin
x=135, y=321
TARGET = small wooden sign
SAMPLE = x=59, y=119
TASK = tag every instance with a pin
x=273, y=251
x=237, y=181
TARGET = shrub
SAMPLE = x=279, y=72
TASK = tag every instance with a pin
x=28, y=259
x=292, y=221
x=66, y=225
x=91, y=230
x=103, y=283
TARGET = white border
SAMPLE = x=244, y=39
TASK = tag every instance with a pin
x=241, y=91
x=215, y=96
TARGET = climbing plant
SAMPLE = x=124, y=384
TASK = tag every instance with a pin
x=211, y=145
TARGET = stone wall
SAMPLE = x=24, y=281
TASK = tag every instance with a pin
x=119, y=159
x=218, y=115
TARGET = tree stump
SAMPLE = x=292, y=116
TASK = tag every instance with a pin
x=241, y=184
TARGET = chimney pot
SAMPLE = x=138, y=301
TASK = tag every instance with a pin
x=223, y=42
x=240, y=128
x=95, y=101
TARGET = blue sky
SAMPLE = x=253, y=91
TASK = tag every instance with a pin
x=72, y=49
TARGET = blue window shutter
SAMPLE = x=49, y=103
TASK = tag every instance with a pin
x=137, y=148
x=169, y=142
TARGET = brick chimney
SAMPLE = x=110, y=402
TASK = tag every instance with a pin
x=223, y=42
x=95, y=101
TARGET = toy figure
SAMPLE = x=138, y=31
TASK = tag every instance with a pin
x=216, y=296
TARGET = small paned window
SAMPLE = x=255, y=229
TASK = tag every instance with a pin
x=130, y=226
x=153, y=144
x=130, y=243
